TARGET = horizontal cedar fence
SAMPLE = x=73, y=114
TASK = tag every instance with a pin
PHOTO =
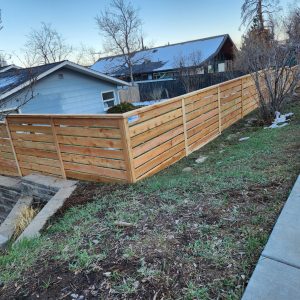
x=163, y=133
x=122, y=147
x=80, y=147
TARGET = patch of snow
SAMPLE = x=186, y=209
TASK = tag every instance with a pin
x=201, y=159
x=244, y=138
x=280, y=120
x=6, y=81
x=147, y=103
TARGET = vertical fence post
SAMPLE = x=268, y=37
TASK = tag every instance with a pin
x=219, y=106
x=127, y=149
x=13, y=148
x=57, y=148
x=242, y=98
x=184, y=127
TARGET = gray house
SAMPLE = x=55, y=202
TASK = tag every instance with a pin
x=57, y=88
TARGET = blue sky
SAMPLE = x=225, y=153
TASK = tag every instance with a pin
x=164, y=20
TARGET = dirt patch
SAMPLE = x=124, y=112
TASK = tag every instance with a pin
x=87, y=192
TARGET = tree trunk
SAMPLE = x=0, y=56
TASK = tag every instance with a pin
x=260, y=15
x=131, y=73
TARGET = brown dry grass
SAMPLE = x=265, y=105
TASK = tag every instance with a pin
x=25, y=217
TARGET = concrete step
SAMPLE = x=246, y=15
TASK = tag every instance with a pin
x=12, y=195
x=7, y=228
x=9, y=182
x=39, y=192
x=5, y=208
x=5, y=200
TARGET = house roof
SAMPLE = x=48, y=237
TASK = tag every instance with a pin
x=9, y=67
x=13, y=80
x=162, y=58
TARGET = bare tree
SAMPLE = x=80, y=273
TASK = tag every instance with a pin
x=293, y=28
x=46, y=45
x=188, y=70
x=86, y=56
x=122, y=29
x=270, y=64
x=258, y=11
x=11, y=104
x=2, y=58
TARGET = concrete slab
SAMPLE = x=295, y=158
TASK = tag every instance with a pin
x=40, y=220
x=9, y=181
x=284, y=242
x=7, y=228
x=277, y=274
x=273, y=280
x=48, y=181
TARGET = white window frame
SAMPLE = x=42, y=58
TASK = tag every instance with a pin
x=223, y=67
x=107, y=108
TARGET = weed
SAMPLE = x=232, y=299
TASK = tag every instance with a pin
x=193, y=292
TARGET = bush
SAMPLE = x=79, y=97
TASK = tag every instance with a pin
x=121, y=108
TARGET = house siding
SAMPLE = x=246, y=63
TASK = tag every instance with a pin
x=75, y=93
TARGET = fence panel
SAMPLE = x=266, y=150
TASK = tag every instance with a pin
x=92, y=148
x=231, y=102
x=157, y=137
x=202, y=118
x=8, y=165
x=250, y=101
x=35, y=145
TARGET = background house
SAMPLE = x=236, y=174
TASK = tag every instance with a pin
x=163, y=72
x=214, y=54
x=57, y=88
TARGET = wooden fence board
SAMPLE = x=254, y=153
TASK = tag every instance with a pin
x=202, y=110
x=159, y=159
x=154, y=122
x=8, y=164
x=158, y=150
x=156, y=131
x=155, y=112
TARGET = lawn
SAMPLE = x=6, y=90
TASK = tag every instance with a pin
x=177, y=235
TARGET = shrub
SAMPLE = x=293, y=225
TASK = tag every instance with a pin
x=121, y=108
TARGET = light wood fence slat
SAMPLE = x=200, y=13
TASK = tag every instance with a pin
x=123, y=147
x=154, y=122
x=128, y=156
x=156, y=132
x=93, y=152
x=11, y=166
x=61, y=164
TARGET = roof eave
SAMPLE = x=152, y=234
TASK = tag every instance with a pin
x=69, y=65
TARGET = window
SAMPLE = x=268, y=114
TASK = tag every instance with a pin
x=210, y=69
x=221, y=67
x=108, y=99
x=199, y=70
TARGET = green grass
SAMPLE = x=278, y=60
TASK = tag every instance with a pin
x=196, y=235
